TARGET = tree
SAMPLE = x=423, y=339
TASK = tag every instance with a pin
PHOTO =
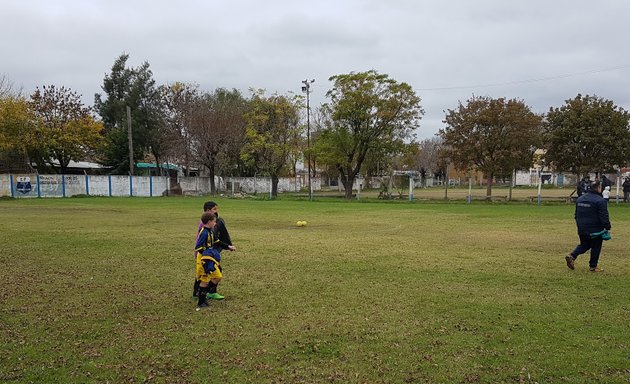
x=133, y=88
x=272, y=125
x=217, y=127
x=64, y=128
x=7, y=88
x=16, y=133
x=428, y=158
x=368, y=113
x=495, y=136
x=587, y=134
x=179, y=100
x=15, y=125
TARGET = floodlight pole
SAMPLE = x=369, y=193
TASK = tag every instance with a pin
x=130, y=138
x=307, y=89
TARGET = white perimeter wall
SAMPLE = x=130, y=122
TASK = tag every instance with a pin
x=33, y=185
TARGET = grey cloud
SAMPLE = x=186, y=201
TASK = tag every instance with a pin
x=446, y=49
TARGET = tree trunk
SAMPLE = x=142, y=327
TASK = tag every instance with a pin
x=512, y=178
x=489, y=188
x=211, y=172
x=347, y=179
x=347, y=185
x=213, y=187
x=158, y=164
x=274, y=186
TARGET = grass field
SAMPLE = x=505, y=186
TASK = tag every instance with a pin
x=98, y=290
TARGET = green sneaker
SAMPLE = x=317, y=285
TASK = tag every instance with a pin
x=215, y=296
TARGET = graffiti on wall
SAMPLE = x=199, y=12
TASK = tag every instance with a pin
x=52, y=183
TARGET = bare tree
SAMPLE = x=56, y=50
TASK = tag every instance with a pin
x=217, y=126
x=8, y=89
x=179, y=101
x=428, y=158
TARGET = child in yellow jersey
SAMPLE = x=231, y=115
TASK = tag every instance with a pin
x=207, y=268
x=222, y=241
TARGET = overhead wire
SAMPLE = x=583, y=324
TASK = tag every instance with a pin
x=487, y=85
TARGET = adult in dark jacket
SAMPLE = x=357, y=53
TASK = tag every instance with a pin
x=591, y=216
x=626, y=190
x=583, y=186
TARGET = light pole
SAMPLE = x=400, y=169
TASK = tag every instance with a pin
x=307, y=89
x=130, y=140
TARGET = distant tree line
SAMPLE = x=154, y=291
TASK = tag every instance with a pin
x=366, y=127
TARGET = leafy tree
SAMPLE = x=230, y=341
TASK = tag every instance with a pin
x=494, y=136
x=16, y=133
x=319, y=121
x=135, y=88
x=368, y=113
x=272, y=125
x=64, y=128
x=587, y=134
x=217, y=127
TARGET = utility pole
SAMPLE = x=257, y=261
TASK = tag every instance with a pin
x=307, y=89
x=130, y=138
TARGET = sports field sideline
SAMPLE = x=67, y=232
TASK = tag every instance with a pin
x=98, y=290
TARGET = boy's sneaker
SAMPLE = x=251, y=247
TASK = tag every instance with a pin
x=596, y=269
x=202, y=306
x=570, y=261
x=215, y=296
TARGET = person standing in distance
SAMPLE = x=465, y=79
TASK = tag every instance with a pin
x=606, y=193
x=591, y=217
x=626, y=190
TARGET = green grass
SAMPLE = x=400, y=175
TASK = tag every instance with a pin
x=98, y=290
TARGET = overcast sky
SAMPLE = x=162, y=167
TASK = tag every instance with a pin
x=543, y=52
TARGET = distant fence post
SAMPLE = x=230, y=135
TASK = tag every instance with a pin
x=87, y=184
x=618, y=185
x=11, y=184
x=63, y=185
x=150, y=186
x=469, y=197
x=539, y=185
x=130, y=185
x=109, y=185
x=39, y=191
